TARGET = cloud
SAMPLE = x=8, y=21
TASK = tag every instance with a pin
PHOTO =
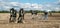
x=27, y=6
x=14, y=3
x=31, y=6
x=34, y=5
x=57, y=9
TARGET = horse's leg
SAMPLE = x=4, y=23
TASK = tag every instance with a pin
x=22, y=20
x=32, y=16
x=46, y=17
x=10, y=19
x=14, y=19
x=19, y=19
x=23, y=17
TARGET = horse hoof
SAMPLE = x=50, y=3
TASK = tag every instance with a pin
x=23, y=21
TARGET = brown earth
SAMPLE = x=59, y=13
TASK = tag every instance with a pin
x=52, y=22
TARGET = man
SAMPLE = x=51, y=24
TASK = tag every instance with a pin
x=21, y=16
x=12, y=15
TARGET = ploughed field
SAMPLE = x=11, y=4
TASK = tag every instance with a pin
x=52, y=22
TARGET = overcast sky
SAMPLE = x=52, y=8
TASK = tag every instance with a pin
x=30, y=4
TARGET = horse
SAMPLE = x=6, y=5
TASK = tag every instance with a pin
x=21, y=15
x=34, y=13
x=13, y=14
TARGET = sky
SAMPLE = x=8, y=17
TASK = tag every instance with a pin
x=53, y=5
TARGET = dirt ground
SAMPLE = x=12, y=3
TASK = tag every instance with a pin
x=52, y=22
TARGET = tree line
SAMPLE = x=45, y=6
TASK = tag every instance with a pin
x=4, y=11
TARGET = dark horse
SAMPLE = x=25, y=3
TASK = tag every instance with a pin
x=13, y=14
x=21, y=15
